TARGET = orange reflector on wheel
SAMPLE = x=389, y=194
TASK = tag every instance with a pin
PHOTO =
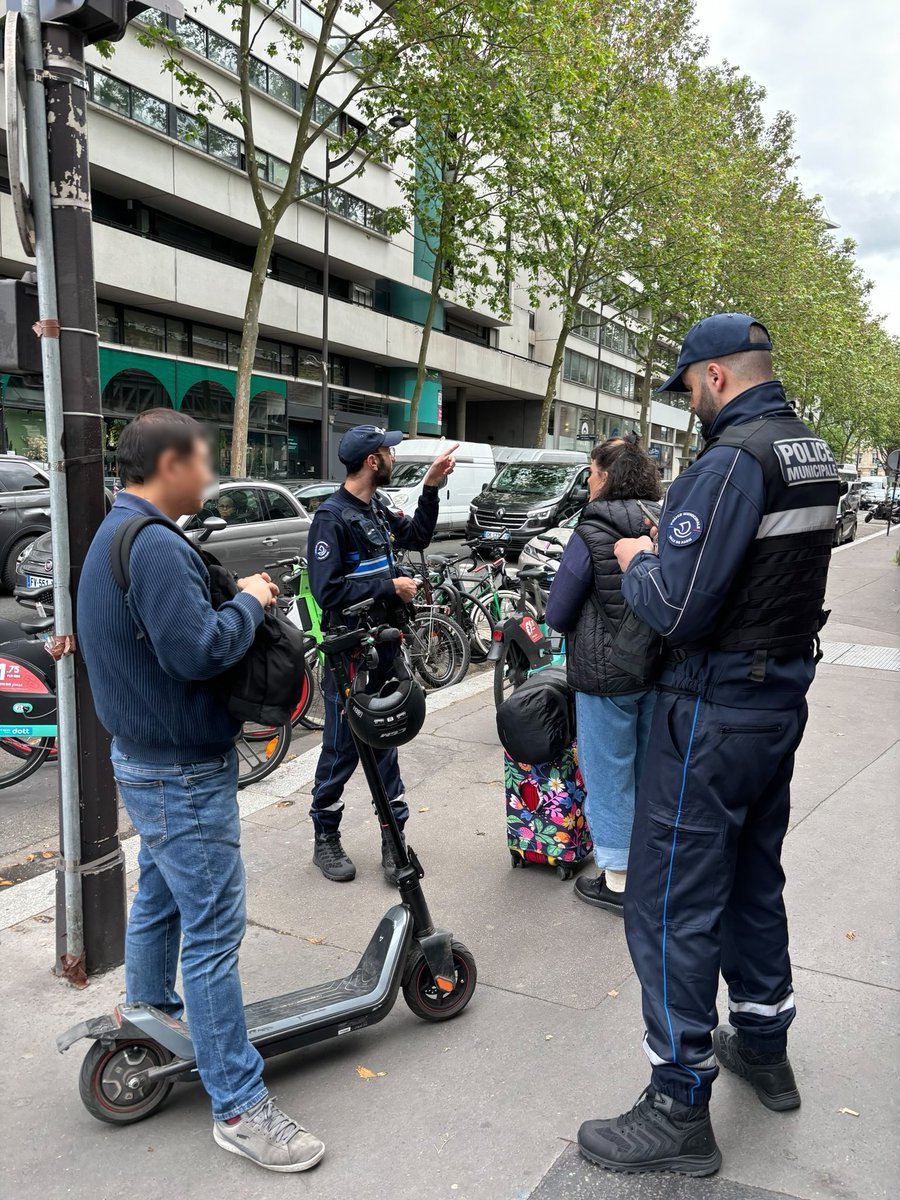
x=270, y=747
x=446, y=985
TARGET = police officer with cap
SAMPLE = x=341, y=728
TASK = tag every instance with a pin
x=351, y=558
x=736, y=585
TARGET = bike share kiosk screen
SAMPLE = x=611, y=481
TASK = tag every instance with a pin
x=27, y=701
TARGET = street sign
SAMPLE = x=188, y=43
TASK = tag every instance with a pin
x=17, y=150
x=893, y=461
x=655, y=452
x=584, y=433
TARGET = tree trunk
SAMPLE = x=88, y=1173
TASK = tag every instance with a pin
x=249, y=339
x=422, y=361
x=686, y=441
x=555, y=365
x=647, y=388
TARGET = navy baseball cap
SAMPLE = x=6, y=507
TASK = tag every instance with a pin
x=363, y=440
x=714, y=337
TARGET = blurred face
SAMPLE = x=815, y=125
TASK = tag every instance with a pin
x=182, y=480
x=596, y=480
x=703, y=401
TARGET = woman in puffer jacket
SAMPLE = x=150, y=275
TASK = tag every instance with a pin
x=613, y=705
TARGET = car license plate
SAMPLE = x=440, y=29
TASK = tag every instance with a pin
x=34, y=581
x=496, y=535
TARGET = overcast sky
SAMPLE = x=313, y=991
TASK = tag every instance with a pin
x=836, y=66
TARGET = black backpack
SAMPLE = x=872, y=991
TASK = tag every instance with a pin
x=536, y=723
x=265, y=686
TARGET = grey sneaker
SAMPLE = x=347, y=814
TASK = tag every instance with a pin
x=271, y=1139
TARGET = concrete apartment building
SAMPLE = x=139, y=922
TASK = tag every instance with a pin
x=174, y=227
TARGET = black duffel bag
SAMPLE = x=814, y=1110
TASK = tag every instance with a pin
x=536, y=724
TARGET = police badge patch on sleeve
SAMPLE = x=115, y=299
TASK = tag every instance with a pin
x=322, y=550
x=684, y=528
x=805, y=460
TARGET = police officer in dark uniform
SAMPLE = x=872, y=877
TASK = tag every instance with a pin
x=351, y=558
x=736, y=586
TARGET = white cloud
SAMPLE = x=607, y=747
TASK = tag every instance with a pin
x=834, y=65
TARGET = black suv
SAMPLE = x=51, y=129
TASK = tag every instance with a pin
x=527, y=496
x=24, y=512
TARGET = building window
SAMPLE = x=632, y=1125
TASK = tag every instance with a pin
x=108, y=322
x=221, y=51
x=191, y=131
x=110, y=93
x=578, y=368
x=177, y=337
x=587, y=324
x=209, y=344
x=193, y=36
x=617, y=382
x=224, y=146
x=144, y=331
x=268, y=356
x=616, y=337
x=148, y=110
x=363, y=296
x=281, y=87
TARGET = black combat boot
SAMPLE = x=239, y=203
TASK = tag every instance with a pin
x=770, y=1074
x=658, y=1134
x=332, y=859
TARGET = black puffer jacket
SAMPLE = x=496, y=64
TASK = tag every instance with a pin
x=587, y=657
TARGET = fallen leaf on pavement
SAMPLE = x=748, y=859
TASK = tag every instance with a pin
x=548, y=1037
x=848, y=1112
x=47, y=854
x=42, y=918
x=6, y=883
x=425, y=809
x=284, y=804
x=365, y=1073
x=314, y=941
x=612, y=993
x=30, y=857
x=850, y=935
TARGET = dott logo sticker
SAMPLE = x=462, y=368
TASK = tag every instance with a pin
x=805, y=460
x=684, y=528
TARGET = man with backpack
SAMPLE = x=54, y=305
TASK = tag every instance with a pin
x=351, y=558
x=736, y=586
x=154, y=654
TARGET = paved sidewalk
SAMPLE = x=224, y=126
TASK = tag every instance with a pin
x=485, y=1107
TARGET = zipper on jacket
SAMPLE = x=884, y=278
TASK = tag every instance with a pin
x=751, y=729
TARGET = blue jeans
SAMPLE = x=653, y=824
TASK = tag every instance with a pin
x=191, y=890
x=613, y=732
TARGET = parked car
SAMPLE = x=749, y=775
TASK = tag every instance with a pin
x=847, y=513
x=541, y=553
x=24, y=512
x=34, y=571
x=311, y=492
x=872, y=492
x=534, y=491
x=263, y=522
x=474, y=470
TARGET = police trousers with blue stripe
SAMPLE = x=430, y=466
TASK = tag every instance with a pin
x=705, y=883
x=339, y=759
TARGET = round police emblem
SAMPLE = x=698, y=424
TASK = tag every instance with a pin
x=684, y=528
x=322, y=550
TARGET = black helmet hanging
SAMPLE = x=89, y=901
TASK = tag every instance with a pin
x=391, y=716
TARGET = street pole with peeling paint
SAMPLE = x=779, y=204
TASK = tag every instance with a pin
x=101, y=862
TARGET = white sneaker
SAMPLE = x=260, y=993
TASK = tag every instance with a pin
x=269, y=1137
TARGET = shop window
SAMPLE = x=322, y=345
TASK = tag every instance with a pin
x=208, y=401
x=267, y=411
x=132, y=391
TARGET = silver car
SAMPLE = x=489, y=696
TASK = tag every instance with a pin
x=263, y=522
x=541, y=553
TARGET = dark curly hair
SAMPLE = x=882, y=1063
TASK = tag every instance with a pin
x=631, y=474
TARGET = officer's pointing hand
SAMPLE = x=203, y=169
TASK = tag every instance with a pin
x=626, y=548
x=441, y=467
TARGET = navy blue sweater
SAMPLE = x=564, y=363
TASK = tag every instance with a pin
x=152, y=661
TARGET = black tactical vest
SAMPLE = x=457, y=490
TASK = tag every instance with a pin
x=775, y=601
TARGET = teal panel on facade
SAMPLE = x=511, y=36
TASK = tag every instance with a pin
x=410, y=304
x=112, y=361
x=402, y=383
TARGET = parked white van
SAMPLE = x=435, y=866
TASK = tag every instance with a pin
x=474, y=468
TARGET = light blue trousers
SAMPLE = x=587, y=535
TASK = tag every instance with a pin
x=613, y=732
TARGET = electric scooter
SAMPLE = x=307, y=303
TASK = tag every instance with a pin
x=138, y=1052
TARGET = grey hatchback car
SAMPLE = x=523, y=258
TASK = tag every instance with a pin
x=24, y=512
x=263, y=522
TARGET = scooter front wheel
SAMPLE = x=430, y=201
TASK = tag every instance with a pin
x=105, y=1081
x=424, y=997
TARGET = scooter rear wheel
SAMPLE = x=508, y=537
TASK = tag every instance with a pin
x=103, y=1082
x=423, y=996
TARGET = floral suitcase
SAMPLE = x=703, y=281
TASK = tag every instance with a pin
x=544, y=813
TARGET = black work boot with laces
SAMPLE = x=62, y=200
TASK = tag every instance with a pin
x=390, y=868
x=658, y=1134
x=332, y=859
x=771, y=1075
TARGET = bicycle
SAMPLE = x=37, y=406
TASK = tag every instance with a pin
x=524, y=644
x=28, y=713
x=442, y=588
